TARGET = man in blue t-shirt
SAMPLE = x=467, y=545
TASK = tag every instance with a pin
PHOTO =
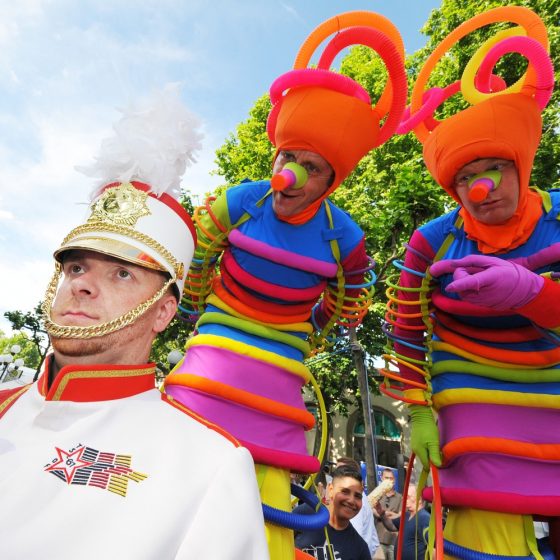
x=417, y=521
x=338, y=540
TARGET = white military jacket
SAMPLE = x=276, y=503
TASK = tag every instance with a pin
x=102, y=465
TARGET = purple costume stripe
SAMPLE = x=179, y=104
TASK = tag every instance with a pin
x=242, y=422
x=244, y=372
x=282, y=256
x=500, y=473
x=500, y=421
x=548, y=255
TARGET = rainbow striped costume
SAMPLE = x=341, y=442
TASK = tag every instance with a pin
x=492, y=377
x=243, y=370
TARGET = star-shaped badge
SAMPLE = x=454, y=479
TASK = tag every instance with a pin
x=68, y=462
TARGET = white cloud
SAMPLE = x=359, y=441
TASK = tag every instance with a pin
x=291, y=10
x=15, y=15
x=22, y=285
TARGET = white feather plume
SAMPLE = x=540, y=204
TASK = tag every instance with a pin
x=154, y=142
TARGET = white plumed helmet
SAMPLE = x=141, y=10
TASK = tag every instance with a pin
x=134, y=214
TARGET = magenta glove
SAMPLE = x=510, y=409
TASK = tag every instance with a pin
x=490, y=282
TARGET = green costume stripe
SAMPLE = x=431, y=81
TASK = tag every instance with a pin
x=252, y=328
x=503, y=374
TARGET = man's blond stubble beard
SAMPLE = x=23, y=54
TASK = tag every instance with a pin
x=77, y=347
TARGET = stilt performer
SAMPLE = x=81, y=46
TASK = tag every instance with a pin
x=293, y=266
x=474, y=321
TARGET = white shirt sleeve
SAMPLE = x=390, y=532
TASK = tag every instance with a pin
x=229, y=522
x=365, y=525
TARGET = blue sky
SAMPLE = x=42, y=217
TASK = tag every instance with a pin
x=66, y=65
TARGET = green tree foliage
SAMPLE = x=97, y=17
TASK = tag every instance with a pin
x=391, y=193
x=28, y=349
x=248, y=153
x=35, y=342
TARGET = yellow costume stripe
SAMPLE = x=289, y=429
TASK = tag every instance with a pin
x=477, y=529
x=414, y=394
x=118, y=485
x=124, y=460
x=137, y=476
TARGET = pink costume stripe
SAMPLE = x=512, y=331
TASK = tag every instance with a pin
x=498, y=421
x=238, y=370
x=266, y=288
x=243, y=423
x=547, y=505
x=282, y=256
x=500, y=473
x=296, y=463
x=458, y=307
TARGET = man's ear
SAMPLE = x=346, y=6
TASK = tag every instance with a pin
x=166, y=309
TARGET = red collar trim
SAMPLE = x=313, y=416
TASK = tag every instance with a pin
x=103, y=382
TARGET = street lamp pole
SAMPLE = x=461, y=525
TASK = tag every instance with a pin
x=10, y=363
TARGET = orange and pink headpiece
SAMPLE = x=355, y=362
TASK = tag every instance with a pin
x=503, y=121
x=319, y=110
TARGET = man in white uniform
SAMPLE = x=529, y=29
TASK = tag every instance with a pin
x=94, y=460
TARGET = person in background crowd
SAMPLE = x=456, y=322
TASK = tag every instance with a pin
x=392, y=504
x=338, y=539
x=363, y=522
x=415, y=532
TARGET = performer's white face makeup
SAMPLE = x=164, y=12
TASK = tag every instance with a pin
x=501, y=203
x=292, y=201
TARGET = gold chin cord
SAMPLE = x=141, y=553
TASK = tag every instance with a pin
x=62, y=331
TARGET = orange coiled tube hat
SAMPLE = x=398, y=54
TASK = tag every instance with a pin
x=503, y=121
x=328, y=113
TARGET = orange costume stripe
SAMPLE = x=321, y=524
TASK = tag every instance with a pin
x=245, y=398
x=544, y=358
x=542, y=451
